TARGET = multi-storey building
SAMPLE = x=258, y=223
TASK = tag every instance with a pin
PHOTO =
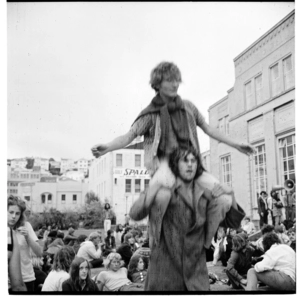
x=18, y=175
x=82, y=165
x=66, y=164
x=18, y=163
x=118, y=178
x=259, y=109
x=42, y=162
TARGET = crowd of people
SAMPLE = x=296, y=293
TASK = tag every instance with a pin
x=185, y=206
x=269, y=260
x=50, y=261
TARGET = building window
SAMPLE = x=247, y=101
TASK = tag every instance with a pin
x=258, y=89
x=115, y=181
x=147, y=184
x=288, y=75
x=222, y=125
x=49, y=198
x=27, y=198
x=226, y=125
x=249, y=95
x=128, y=185
x=63, y=198
x=226, y=170
x=275, y=80
x=287, y=152
x=260, y=169
x=119, y=160
x=137, y=160
x=137, y=187
x=74, y=198
x=43, y=198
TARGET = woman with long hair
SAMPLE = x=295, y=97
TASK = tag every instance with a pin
x=114, y=278
x=240, y=261
x=60, y=269
x=137, y=269
x=80, y=277
x=26, y=238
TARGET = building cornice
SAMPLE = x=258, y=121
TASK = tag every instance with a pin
x=218, y=102
x=264, y=39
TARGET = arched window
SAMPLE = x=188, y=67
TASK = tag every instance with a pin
x=47, y=196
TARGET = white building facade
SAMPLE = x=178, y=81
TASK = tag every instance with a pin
x=260, y=110
x=61, y=193
x=119, y=177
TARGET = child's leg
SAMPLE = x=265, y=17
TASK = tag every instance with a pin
x=216, y=208
x=161, y=183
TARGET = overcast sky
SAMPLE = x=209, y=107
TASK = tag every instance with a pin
x=78, y=73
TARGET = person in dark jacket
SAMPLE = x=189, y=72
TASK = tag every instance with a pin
x=110, y=244
x=240, y=261
x=126, y=230
x=69, y=239
x=80, y=279
x=226, y=246
x=263, y=208
x=125, y=249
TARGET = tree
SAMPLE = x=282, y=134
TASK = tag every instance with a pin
x=90, y=197
x=30, y=163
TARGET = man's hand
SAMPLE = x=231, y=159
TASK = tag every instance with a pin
x=99, y=150
x=219, y=190
x=246, y=148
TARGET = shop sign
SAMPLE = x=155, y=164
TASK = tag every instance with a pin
x=131, y=172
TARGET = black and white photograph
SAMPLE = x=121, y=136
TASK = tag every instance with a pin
x=151, y=147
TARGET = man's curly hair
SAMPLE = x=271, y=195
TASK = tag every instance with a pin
x=269, y=239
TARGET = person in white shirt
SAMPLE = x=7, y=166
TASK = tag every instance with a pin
x=277, y=269
x=60, y=269
x=248, y=226
x=115, y=278
x=90, y=250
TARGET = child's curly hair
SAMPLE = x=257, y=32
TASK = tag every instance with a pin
x=164, y=70
x=111, y=257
